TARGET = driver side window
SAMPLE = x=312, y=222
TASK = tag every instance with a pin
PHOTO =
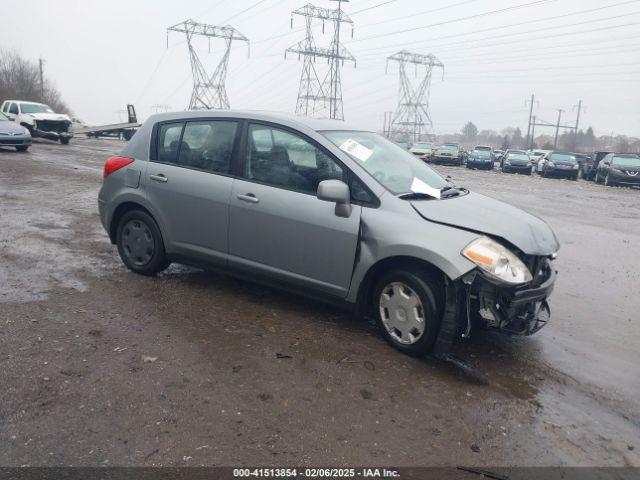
x=282, y=159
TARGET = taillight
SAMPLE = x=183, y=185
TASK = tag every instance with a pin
x=115, y=163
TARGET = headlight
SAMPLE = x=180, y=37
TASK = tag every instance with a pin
x=576, y=166
x=507, y=162
x=497, y=261
x=26, y=131
x=551, y=164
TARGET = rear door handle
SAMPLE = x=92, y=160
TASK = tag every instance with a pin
x=159, y=178
x=249, y=197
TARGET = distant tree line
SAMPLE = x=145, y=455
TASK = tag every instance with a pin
x=510, y=137
x=20, y=80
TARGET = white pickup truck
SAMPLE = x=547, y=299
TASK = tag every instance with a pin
x=39, y=119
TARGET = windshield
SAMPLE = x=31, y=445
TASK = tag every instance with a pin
x=34, y=108
x=562, y=157
x=626, y=161
x=396, y=169
x=3, y=117
x=482, y=153
x=518, y=156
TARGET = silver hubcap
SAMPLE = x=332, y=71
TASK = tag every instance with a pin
x=137, y=242
x=402, y=313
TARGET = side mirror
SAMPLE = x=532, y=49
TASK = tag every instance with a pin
x=338, y=192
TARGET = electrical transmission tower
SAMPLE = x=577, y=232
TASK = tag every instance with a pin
x=321, y=96
x=208, y=91
x=412, y=120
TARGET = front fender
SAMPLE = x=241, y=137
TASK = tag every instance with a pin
x=385, y=235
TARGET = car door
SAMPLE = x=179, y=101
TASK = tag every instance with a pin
x=278, y=227
x=13, y=111
x=188, y=182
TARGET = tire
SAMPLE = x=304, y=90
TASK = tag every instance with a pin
x=65, y=140
x=575, y=177
x=22, y=148
x=395, y=326
x=140, y=243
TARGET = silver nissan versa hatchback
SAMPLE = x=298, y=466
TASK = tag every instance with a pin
x=327, y=210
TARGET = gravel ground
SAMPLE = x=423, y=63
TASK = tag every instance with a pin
x=99, y=366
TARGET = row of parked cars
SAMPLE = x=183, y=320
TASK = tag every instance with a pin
x=609, y=168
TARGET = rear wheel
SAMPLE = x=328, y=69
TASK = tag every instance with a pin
x=408, y=310
x=65, y=140
x=140, y=243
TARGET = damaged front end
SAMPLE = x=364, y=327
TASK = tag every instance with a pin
x=57, y=130
x=517, y=310
x=479, y=300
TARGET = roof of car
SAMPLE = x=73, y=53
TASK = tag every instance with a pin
x=29, y=103
x=277, y=117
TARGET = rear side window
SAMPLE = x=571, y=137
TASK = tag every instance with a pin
x=14, y=109
x=208, y=145
x=169, y=142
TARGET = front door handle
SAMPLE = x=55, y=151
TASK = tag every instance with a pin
x=249, y=197
x=159, y=178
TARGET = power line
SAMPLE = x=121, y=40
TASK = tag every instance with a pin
x=455, y=20
x=371, y=8
x=546, y=19
x=243, y=11
x=417, y=14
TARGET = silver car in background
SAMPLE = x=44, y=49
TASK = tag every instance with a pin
x=331, y=211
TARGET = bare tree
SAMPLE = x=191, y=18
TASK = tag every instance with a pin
x=20, y=80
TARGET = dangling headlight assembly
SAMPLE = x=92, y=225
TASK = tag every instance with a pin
x=497, y=261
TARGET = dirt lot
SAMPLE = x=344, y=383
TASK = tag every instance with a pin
x=99, y=366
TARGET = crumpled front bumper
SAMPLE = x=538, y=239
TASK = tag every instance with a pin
x=519, y=310
x=51, y=135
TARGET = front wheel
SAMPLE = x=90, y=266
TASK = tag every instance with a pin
x=408, y=311
x=22, y=148
x=140, y=243
x=65, y=140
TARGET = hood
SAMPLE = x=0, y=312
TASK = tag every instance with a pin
x=486, y=215
x=11, y=127
x=50, y=116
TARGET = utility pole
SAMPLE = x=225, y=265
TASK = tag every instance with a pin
x=533, y=127
x=321, y=96
x=575, y=133
x=41, y=64
x=209, y=92
x=412, y=113
x=555, y=140
x=530, y=102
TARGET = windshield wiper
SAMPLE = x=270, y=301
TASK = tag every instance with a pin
x=415, y=196
x=451, y=191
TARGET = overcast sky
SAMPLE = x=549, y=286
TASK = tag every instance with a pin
x=103, y=55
